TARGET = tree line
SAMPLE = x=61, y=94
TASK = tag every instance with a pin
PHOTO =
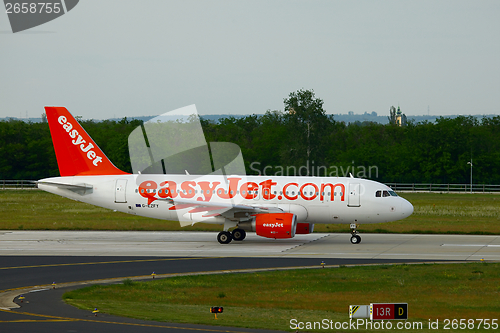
x=300, y=140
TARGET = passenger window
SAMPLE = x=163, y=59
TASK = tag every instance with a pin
x=378, y=194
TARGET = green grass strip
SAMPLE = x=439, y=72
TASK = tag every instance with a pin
x=271, y=299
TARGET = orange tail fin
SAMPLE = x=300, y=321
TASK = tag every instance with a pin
x=76, y=152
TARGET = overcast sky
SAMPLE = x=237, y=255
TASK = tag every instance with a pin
x=116, y=58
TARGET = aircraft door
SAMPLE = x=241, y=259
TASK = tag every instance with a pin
x=353, y=197
x=120, y=191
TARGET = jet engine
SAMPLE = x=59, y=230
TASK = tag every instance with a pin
x=304, y=228
x=274, y=225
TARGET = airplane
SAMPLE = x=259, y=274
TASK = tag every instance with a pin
x=278, y=207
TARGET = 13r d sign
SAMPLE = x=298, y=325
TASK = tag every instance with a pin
x=388, y=311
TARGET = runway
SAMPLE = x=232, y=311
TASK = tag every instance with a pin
x=44, y=311
x=204, y=244
x=33, y=260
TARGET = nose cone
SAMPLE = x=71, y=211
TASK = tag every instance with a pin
x=406, y=208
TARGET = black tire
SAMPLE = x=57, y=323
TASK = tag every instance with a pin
x=224, y=237
x=239, y=234
x=355, y=239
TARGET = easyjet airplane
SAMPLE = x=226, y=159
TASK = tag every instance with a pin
x=273, y=207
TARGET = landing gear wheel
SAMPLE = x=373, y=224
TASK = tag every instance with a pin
x=224, y=237
x=239, y=234
x=355, y=239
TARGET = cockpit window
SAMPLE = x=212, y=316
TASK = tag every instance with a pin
x=384, y=194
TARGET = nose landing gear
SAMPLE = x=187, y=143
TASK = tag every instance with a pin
x=355, y=238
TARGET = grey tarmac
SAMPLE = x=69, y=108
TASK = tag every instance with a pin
x=204, y=244
x=31, y=260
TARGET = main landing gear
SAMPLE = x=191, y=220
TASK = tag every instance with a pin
x=355, y=238
x=225, y=237
x=239, y=234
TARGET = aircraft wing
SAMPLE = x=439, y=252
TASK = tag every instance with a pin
x=217, y=208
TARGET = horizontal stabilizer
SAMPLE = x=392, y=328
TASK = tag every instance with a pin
x=80, y=189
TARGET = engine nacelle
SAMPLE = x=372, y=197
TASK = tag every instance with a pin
x=304, y=228
x=275, y=225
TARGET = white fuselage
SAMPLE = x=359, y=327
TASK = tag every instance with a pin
x=312, y=199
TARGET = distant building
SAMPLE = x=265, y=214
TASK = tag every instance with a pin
x=397, y=117
x=400, y=118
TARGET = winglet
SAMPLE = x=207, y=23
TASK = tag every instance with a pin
x=76, y=152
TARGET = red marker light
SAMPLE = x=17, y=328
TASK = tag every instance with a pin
x=216, y=309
